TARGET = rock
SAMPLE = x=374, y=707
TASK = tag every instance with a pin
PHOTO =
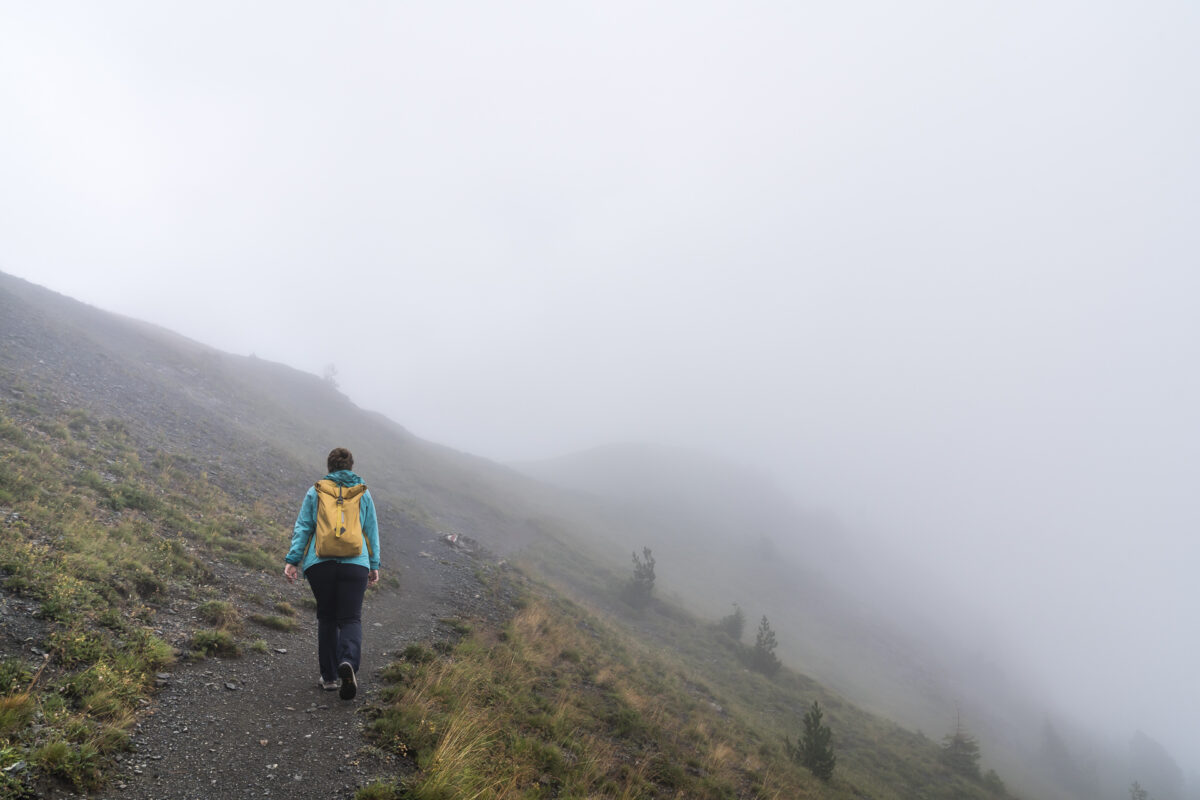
x=233, y=687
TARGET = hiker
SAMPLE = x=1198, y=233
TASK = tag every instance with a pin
x=337, y=519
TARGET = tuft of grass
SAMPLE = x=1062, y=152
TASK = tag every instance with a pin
x=274, y=622
x=259, y=646
x=221, y=615
x=460, y=627
x=215, y=643
x=285, y=608
x=14, y=675
x=417, y=654
x=16, y=712
x=378, y=790
x=78, y=765
x=255, y=559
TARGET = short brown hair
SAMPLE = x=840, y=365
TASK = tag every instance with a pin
x=339, y=458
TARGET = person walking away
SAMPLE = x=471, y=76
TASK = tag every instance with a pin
x=335, y=543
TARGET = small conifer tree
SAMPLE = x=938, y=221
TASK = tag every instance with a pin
x=642, y=585
x=735, y=623
x=992, y=781
x=815, y=748
x=960, y=752
x=762, y=657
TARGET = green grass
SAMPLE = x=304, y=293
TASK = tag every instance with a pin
x=220, y=614
x=274, y=622
x=379, y=790
x=556, y=703
x=215, y=643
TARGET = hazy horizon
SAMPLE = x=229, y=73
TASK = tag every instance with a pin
x=932, y=267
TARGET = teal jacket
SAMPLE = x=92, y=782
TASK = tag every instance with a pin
x=303, y=552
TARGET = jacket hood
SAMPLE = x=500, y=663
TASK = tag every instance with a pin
x=344, y=478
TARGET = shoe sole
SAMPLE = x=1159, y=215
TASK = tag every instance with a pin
x=349, y=686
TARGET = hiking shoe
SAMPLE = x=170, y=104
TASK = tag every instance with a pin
x=328, y=686
x=349, y=684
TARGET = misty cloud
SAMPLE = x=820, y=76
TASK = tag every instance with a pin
x=932, y=265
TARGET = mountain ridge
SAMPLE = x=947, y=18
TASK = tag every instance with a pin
x=252, y=427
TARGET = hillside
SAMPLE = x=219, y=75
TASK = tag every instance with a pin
x=148, y=487
x=847, y=622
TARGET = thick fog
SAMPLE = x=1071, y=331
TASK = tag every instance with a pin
x=932, y=264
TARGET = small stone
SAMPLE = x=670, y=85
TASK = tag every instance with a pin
x=281, y=650
x=231, y=687
x=263, y=742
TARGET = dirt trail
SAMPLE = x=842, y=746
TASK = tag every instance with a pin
x=258, y=726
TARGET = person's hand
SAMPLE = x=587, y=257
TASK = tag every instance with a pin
x=290, y=572
x=372, y=577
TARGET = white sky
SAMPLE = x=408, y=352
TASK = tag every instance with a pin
x=933, y=263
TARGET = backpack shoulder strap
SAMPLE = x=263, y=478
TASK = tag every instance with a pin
x=366, y=538
x=313, y=535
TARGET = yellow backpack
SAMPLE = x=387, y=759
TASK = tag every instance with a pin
x=339, y=532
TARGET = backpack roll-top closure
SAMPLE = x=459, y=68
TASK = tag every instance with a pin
x=334, y=490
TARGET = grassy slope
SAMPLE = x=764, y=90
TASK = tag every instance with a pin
x=835, y=615
x=95, y=542
x=593, y=699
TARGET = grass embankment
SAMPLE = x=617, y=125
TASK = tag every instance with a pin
x=94, y=541
x=558, y=704
x=563, y=701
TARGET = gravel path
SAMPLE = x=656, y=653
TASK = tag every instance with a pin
x=258, y=726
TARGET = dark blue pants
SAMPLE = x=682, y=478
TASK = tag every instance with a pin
x=339, y=589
